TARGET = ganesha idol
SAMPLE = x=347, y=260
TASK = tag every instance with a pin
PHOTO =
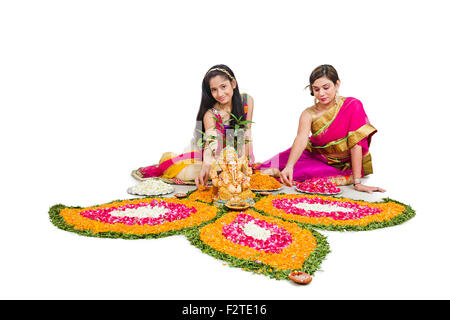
x=233, y=181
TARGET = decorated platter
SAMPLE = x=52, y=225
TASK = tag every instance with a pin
x=264, y=183
x=267, y=190
x=131, y=191
x=241, y=205
x=319, y=193
x=320, y=186
x=151, y=187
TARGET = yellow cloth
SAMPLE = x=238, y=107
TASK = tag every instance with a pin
x=176, y=168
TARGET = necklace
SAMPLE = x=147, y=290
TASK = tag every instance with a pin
x=226, y=108
x=319, y=110
x=221, y=115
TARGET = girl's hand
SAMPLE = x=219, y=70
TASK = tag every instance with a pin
x=202, y=178
x=251, y=159
x=364, y=188
x=286, y=176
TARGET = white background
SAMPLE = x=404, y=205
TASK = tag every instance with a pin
x=90, y=90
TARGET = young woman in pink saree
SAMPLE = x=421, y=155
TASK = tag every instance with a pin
x=340, y=138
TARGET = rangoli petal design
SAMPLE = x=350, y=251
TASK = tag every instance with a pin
x=133, y=219
x=333, y=213
x=261, y=244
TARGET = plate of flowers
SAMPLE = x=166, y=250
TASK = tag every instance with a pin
x=239, y=204
x=153, y=187
x=267, y=190
x=264, y=183
x=321, y=186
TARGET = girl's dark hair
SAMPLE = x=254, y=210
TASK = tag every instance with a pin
x=208, y=100
x=324, y=70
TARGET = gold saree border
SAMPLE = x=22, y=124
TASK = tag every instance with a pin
x=320, y=124
x=346, y=143
x=344, y=164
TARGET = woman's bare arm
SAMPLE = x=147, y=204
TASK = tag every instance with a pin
x=208, y=156
x=299, y=145
x=356, y=161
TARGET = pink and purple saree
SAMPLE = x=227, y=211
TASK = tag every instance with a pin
x=336, y=131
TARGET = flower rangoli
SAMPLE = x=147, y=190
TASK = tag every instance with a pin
x=334, y=213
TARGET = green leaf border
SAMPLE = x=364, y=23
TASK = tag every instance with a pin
x=310, y=266
x=58, y=221
x=406, y=215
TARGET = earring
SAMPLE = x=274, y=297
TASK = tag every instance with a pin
x=336, y=97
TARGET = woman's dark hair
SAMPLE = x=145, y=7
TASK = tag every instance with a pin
x=208, y=100
x=324, y=70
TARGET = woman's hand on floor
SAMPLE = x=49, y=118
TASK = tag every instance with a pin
x=364, y=188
